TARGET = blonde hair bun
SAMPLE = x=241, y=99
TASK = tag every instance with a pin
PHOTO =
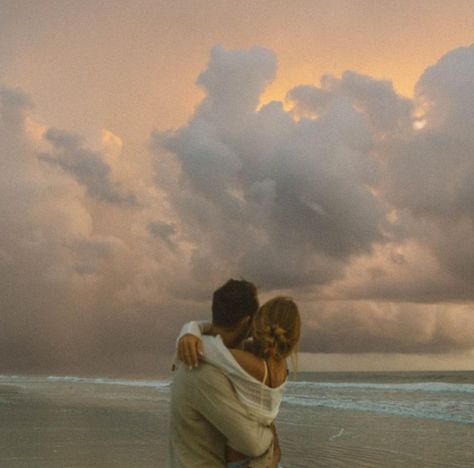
x=276, y=328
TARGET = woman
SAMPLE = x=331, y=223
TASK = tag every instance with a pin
x=259, y=370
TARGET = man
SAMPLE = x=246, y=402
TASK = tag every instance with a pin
x=206, y=414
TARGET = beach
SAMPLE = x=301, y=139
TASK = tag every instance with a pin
x=326, y=420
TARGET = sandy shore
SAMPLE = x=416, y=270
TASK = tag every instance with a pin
x=75, y=426
x=82, y=425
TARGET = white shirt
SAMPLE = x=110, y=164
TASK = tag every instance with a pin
x=261, y=401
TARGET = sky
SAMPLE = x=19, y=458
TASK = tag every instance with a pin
x=150, y=150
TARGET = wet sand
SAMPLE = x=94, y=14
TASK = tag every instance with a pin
x=79, y=429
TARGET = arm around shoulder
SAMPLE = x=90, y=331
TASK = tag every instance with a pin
x=189, y=342
x=196, y=328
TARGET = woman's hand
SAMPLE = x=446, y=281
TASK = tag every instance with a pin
x=189, y=350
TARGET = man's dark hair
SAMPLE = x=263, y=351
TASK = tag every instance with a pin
x=233, y=301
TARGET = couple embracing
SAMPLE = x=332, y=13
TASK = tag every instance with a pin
x=228, y=383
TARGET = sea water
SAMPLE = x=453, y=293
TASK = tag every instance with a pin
x=447, y=396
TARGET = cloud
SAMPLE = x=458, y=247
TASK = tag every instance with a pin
x=381, y=327
x=283, y=202
x=380, y=104
x=429, y=173
x=83, y=285
x=353, y=199
x=343, y=195
x=86, y=166
x=164, y=231
x=234, y=81
x=445, y=94
x=15, y=104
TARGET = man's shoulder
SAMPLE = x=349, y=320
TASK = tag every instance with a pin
x=202, y=382
x=203, y=372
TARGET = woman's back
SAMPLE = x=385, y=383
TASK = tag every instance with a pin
x=271, y=372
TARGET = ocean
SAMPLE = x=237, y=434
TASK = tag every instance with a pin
x=364, y=419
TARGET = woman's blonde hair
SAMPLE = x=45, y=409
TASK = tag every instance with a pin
x=276, y=328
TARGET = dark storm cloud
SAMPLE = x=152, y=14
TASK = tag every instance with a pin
x=86, y=166
x=164, y=231
x=429, y=174
x=371, y=327
x=366, y=195
x=284, y=202
x=15, y=102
